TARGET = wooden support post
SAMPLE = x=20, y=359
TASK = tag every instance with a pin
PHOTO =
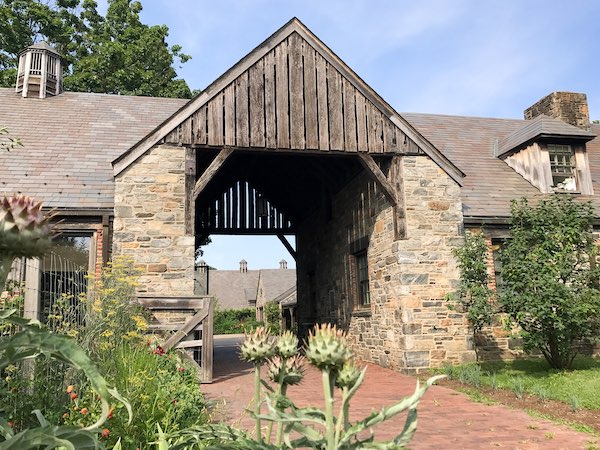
x=287, y=245
x=211, y=171
x=207, y=344
x=395, y=177
x=105, y=238
x=190, y=200
x=31, y=308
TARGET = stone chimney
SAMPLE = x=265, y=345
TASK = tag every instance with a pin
x=243, y=266
x=40, y=71
x=570, y=107
x=283, y=264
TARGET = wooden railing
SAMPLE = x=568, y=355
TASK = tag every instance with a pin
x=184, y=316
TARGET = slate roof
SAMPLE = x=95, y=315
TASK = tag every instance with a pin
x=490, y=184
x=69, y=142
x=276, y=281
x=232, y=288
x=541, y=127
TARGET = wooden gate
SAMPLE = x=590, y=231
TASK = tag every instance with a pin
x=191, y=319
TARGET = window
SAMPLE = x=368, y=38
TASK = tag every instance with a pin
x=362, y=278
x=562, y=167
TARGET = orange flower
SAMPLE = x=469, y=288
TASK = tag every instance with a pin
x=65, y=415
x=73, y=396
x=10, y=424
x=84, y=411
x=105, y=432
x=70, y=388
x=110, y=413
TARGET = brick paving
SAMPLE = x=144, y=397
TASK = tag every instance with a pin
x=447, y=419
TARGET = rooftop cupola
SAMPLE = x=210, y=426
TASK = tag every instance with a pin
x=283, y=264
x=40, y=71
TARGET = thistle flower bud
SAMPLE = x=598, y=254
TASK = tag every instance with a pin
x=24, y=228
x=292, y=369
x=257, y=346
x=327, y=347
x=348, y=375
x=287, y=344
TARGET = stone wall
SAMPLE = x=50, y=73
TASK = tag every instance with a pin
x=408, y=325
x=149, y=222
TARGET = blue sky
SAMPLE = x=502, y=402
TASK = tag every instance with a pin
x=461, y=57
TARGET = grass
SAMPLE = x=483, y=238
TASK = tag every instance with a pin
x=578, y=387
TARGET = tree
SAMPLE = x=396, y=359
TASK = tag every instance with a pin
x=550, y=277
x=473, y=294
x=115, y=54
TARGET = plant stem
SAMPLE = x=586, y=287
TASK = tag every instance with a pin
x=329, y=421
x=257, y=402
x=343, y=422
x=279, y=438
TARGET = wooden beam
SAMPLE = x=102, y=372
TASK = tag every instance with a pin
x=211, y=171
x=208, y=343
x=397, y=183
x=105, y=238
x=190, y=181
x=375, y=172
x=287, y=245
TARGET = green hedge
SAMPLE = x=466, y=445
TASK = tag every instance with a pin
x=234, y=321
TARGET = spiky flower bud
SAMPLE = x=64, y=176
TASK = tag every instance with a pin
x=24, y=228
x=327, y=347
x=287, y=344
x=348, y=376
x=258, y=346
x=292, y=369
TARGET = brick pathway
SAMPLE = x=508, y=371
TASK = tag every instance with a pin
x=447, y=419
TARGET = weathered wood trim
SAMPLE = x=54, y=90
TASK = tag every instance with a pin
x=105, y=238
x=183, y=331
x=211, y=171
x=397, y=180
x=287, y=245
x=208, y=343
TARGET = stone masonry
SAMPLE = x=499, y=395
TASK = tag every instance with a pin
x=408, y=325
x=149, y=222
x=570, y=107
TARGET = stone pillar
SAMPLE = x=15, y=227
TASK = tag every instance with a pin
x=149, y=223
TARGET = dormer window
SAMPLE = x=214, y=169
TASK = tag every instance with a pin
x=562, y=168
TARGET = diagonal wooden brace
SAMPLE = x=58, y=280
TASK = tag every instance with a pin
x=211, y=171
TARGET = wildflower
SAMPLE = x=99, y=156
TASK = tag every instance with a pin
x=181, y=369
x=73, y=396
x=158, y=350
x=84, y=411
x=105, y=432
x=10, y=424
x=65, y=416
x=70, y=388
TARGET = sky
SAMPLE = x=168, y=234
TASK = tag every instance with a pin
x=460, y=57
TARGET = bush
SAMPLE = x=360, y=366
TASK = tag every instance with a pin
x=234, y=321
x=273, y=317
x=550, y=277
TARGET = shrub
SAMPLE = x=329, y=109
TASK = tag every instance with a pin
x=234, y=321
x=273, y=317
x=550, y=277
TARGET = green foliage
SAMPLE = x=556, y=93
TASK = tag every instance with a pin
x=539, y=379
x=234, y=321
x=34, y=341
x=473, y=294
x=273, y=317
x=162, y=390
x=6, y=141
x=550, y=277
x=304, y=427
x=116, y=53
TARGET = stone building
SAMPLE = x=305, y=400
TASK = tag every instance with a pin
x=291, y=141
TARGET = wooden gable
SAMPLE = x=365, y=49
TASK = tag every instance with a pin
x=293, y=99
x=291, y=93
